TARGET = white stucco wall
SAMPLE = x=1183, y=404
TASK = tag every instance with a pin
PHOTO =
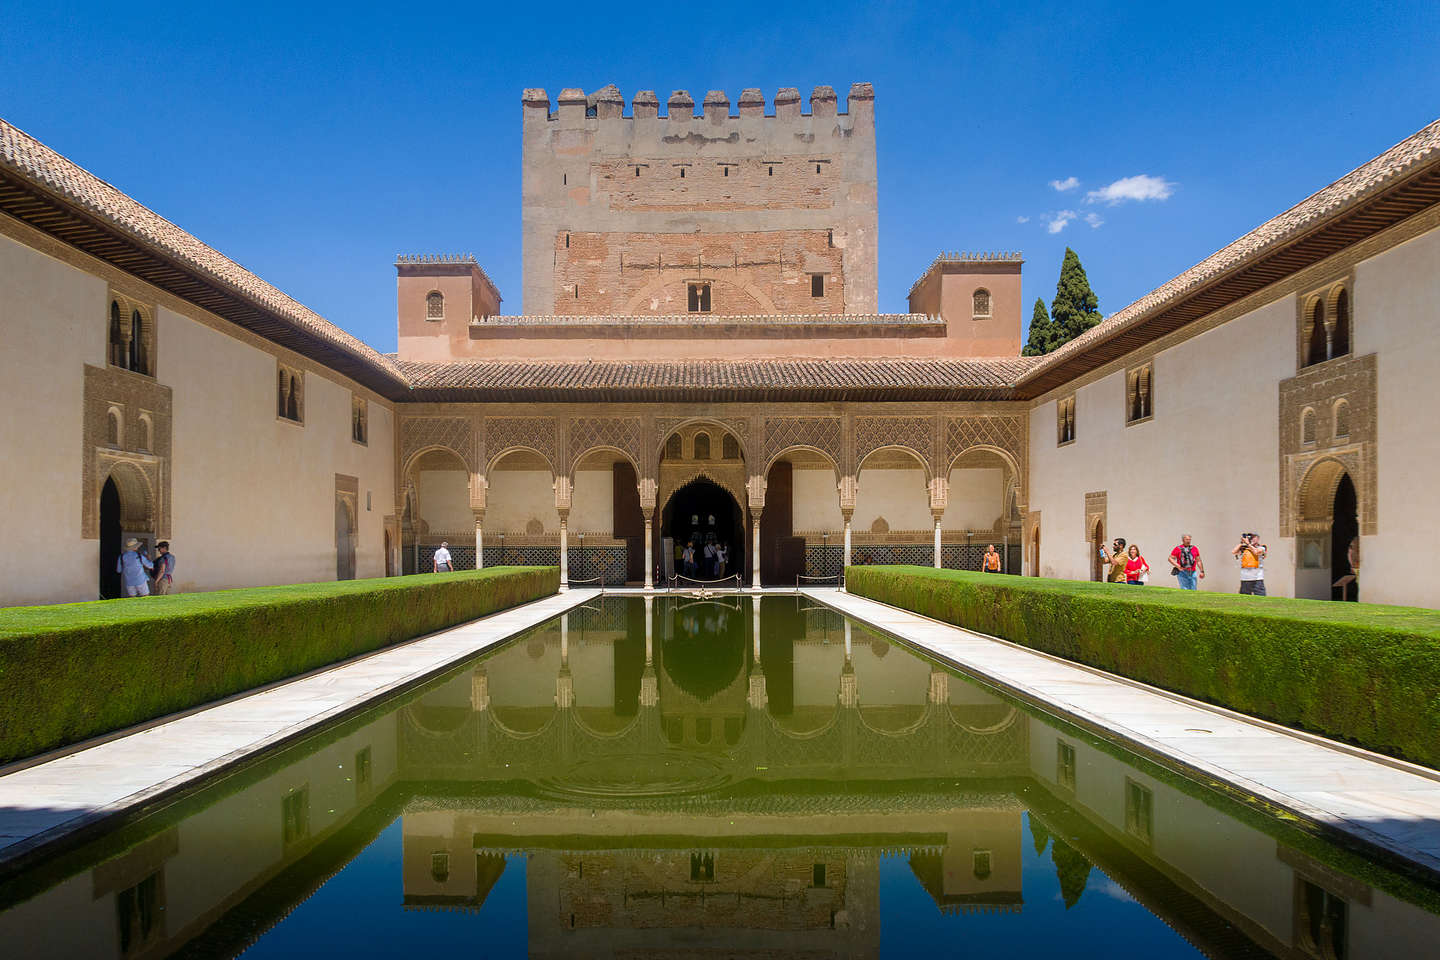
x=515, y=497
x=252, y=496
x=54, y=323
x=977, y=499
x=815, y=497
x=592, y=504
x=1396, y=294
x=1207, y=463
x=444, y=497
x=900, y=496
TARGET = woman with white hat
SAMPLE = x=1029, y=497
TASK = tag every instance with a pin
x=133, y=567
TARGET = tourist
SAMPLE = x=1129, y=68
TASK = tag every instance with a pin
x=722, y=557
x=710, y=560
x=164, y=570
x=1117, y=559
x=442, y=560
x=687, y=558
x=1137, y=571
x=1251, y=554
x=990, y=563
x=134, y=567
x=1185, y=564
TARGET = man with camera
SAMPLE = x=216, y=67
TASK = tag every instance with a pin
x=1186, y=565
x=1251, y=554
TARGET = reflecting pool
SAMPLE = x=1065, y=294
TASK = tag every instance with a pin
x=716, y=777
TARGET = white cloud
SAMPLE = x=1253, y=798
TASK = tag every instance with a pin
x=1094, y=219
x=1139, y=187
x=1060, y=221
x=1022, y=219
x=1069, y=183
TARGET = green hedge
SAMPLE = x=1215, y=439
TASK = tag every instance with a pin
x=1366, y=673
x=72, y=671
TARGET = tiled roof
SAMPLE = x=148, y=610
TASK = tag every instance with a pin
x=716, y=380
x=29, y=159
x=1399, y=162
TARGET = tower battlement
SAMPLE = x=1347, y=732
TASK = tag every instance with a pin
x=616, y=206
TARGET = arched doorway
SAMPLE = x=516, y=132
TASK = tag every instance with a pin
x=1035, y=551
x=111, y=538
x=344, y=541
x=704, y=512
x=1344, y=530
x=1097, y=547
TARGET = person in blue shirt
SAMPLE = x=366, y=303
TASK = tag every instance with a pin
x=134, y=569
x=164, y=569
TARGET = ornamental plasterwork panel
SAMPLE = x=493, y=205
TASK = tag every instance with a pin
x=1343, y=389
x=664, y=426
x=622, y=433
x=138, y=457
x=822, y=433
x=1096, y=510
x=729, y=476
x=538, y=433
x=1002, y=432
x=914, y=433
x=455, y=434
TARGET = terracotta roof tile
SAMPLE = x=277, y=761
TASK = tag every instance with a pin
x=734, y=380
x=32, y=161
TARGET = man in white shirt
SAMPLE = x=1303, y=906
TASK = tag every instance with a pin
x=442, y=558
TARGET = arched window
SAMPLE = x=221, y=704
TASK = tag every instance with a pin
x=137, y=342
x=730, y=447
x=117, y=336
x=292, y=402
x=672, y=447
x=981, y=304
x=113, y=428
x=281, y=387
x=1315, y=350
x=1065, y=420
x=1146, y=407
x=1140, y=405
x=290, y=399
x=1307, y=426
x=1340, y=339
x=1342, y=419
x=434, y=305
x=702, y=446
x=359, y=420
x=147, y=434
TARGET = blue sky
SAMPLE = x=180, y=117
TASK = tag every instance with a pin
x=313, y=143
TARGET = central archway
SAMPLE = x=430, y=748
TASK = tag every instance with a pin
x=704, y=512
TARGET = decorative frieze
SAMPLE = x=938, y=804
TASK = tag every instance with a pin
x=456, y=434
x=540, y=434
x=1328, y=427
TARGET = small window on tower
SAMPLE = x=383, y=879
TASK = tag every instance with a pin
x=817, y=284
x=434, y=305
x=699, y=300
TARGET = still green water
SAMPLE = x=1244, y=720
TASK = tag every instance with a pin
x=722, y=777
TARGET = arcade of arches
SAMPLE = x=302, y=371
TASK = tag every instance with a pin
x=615, y=494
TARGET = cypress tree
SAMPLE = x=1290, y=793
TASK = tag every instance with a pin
x=1041, y=331
x=1075, y=308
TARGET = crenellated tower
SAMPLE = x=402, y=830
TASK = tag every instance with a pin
x=732, y=213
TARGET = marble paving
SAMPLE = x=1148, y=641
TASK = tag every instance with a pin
x=45, y=803
x=1379, y=801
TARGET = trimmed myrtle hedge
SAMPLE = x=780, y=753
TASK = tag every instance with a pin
x=1366, y=673
x=77, y=670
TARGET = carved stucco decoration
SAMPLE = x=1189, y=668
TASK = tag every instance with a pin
x=1096, y=511
x=825, y=434
x=1305, y=508
x=728, y=476
x=913, y=433
x=455, y=434
x=140, y=465
x=1003, y=432
x=621, y=433
x=540, y=434
x=664, y=426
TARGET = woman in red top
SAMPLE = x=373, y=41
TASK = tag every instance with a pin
x=1135, y=567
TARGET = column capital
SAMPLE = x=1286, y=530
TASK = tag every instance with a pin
x=649, y=490
x=563, y=495
x=755, y=490
x=939, y=495
x=849, y=488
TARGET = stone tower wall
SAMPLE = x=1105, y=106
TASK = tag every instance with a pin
x=622, y=213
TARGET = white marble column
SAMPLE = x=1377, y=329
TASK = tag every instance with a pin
x=847, y=638
x=649, y=631
x=564, y=553
x=755, y=554
x=937, y=543
x=649, y=556
x=564, y=639
x=479, y=541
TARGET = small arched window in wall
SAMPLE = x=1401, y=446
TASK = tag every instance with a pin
x=290, y=394
x=730, y=447
x=359, y=420
x=114, y=428
x=702, y=446
x=434, y=305
x=1342, y=419
x=672, y=447
x=1315, y=346
x=1307, y=425
x=1065, y=421
x=137, y=343
x=147, y=434
x=1141, y=395
x=981, y=304
x=118, y=355
x=1340, y=337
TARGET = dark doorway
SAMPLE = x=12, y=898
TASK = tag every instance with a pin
x=629, y=521
x=782, y=554
x=704, y=512
x=344, y=542
x=1343, y=531
x=1097, y=547
x=111, y=535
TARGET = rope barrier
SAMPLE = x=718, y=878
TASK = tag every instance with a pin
x=569, y=581
x=676, y=578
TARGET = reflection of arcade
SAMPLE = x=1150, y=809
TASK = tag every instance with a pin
x=704, y=513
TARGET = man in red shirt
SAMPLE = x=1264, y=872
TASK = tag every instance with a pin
x=1185, y=564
